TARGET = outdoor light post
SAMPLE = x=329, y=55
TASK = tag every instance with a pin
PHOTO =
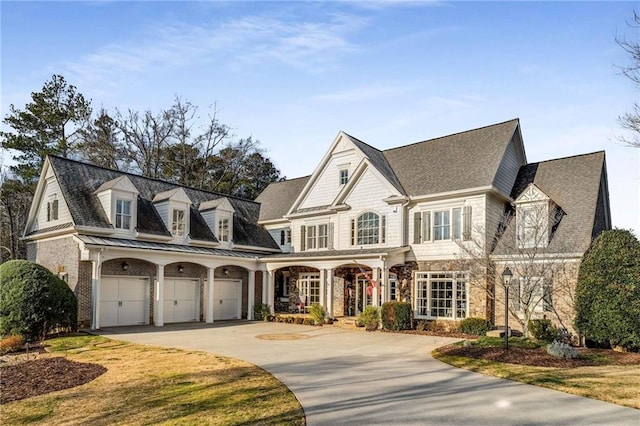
x=506, y=279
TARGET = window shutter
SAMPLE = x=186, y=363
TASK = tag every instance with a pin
x=55, y=210
x=48, y=212
x=417, y=227
x=282, y=240
x=384, y=229
x=353, y=232
x=426, y=226
x=466, y=223
x=303, y=238
x=330, y=236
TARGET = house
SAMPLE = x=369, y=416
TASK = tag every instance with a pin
x=411, y=223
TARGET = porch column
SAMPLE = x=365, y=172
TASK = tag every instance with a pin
x=323, y=287
x=210, y=287
x=265, y=296
x=376, y=290
x=330, y=292
x=96, y=269
x=158, y=312
x=384, y=284
x=251, y=294
x=271, y=290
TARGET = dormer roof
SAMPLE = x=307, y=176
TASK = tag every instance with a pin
x=221, y=204
x=176, y=194
x=122, y=183
x=532, y=194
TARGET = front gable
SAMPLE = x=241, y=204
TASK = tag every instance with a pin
x=532, y=194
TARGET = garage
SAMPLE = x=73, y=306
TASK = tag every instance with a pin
x=227, y=299
x=181, y=300
x=124, y=301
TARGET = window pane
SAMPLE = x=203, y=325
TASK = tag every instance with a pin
x=441, y=225
x=457, y=224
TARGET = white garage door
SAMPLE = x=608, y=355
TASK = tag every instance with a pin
x=227, y=298
x=124, y=301
x=181, y=300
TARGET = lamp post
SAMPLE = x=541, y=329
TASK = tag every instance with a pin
x=506, y=279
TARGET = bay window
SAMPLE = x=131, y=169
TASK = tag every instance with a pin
x=442, y=295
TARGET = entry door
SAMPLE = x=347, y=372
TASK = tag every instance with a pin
x=362, y=298
x=227, y=299
x=124, y=301
x=181, y=300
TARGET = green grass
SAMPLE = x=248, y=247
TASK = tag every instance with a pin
x=152, y=385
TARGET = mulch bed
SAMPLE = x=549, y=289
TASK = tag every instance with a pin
x=40, y=376
x=539, y=357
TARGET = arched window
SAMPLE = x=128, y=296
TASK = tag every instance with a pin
x=368, y=230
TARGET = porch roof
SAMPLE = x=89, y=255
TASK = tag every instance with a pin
x=332, y=254
x=178, y=248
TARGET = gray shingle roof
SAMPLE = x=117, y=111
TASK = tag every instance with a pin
x=574, y=185
x=463, y=160
x=78, y=182
x=277, y=198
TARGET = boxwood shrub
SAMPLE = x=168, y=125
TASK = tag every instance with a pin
x=396, y=316
x=476, y=326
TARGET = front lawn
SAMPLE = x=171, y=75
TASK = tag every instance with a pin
x=145, y=385
x=600, y=374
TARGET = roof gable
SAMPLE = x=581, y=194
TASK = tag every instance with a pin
x=221, y=204
x=532, y=194
x=121, y=183
x=176, y=194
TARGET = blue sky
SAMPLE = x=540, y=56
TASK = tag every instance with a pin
x=293, y=74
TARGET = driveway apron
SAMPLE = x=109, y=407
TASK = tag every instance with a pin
x=357, y=378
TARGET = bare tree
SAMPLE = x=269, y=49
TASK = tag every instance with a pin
x=543, y=281
x=15, y=200
x=631, y=120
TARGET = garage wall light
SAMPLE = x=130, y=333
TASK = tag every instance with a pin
x=180, y=269
x=125, y=266
x=225, y=271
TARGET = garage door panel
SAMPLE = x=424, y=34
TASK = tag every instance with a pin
x=123, y=301
x=132, y=312
x=108, y=313
x=109, y=289
x=226, y=299
x=133, y=290
x=181, y=300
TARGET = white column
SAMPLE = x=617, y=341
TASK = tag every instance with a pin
x=210, y=287
x=95, y=293
x=384, y=284
x=265, y=291
x=330, y=293
x=158, y=312
x=323, y=287
x=271, y=290
x=251, y=294
x=376, y=289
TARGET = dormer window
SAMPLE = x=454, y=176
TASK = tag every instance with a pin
x=344, y=176
x=123, y=214
x=533, y=221
x=177, y=223
x=52, y=210
x=223, y=230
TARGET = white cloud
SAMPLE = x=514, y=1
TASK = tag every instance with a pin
x=364, y=93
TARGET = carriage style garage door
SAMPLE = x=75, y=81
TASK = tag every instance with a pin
x=124, y=301
x=181, y=300
x=227, y=299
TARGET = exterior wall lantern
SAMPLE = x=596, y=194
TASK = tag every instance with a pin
x=180, y=269
x=125, y=266
x=506, y=280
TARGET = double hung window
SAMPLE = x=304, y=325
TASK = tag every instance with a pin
x=123, y=214
x=178, y=223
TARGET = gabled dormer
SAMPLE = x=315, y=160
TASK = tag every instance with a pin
x=119, y=202
x=536, y=217
x=218, y=214
x=173, y=207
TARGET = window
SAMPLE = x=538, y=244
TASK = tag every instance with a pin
x=531, y=294
x=344, y=176
x=322, y=236
x=177, y=224
x=449, y=224
x=394, y=293
x=52, y=210
x=368, y=229
x=223, y=230
x=311, y=237
x=531, y=231
x=285, y=237
x=441, y=225
x=441, y=294
x=309, y=288
x=123, y=214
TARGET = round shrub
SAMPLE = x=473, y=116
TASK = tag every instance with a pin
x=33, y=301
x=476, y=326
x=608, y=291
x=543, y=330
x=370, y=318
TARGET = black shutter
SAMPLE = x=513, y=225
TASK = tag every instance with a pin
x=466, y=223
x=303, y=238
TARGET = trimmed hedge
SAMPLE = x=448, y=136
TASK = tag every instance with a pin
x=33, y=301
x=608, y=291
x=476, y=326
x=369, y=318
x=396, y=316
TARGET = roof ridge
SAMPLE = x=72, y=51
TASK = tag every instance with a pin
x=602, y=151
x=362, y=142
x=150, y=178
x=452, y=134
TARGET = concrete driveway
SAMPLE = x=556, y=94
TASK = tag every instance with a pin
x=358, y=378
